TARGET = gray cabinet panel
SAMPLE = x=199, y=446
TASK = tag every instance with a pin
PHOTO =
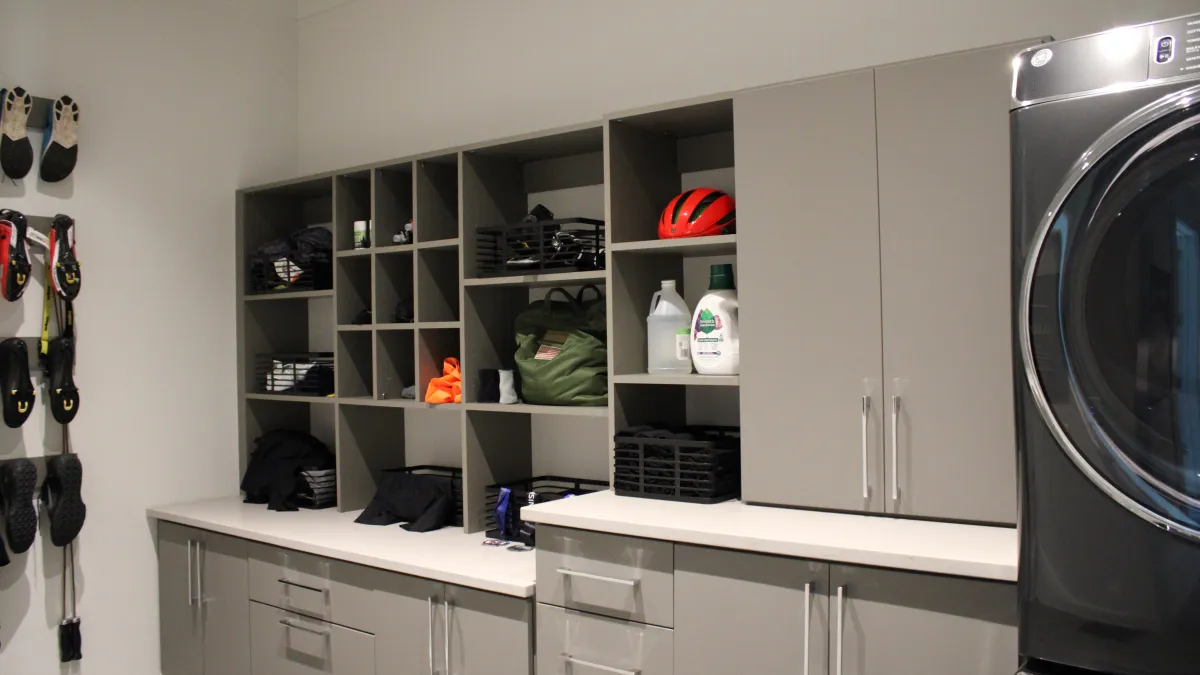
x=225, y=605
x=944, y=225
x=808, y=254
x=488, y=634
x=575, y=643
x=621, y=577
x=408, y=624
x=327, y=589
x=768, y=595
x=181, y=632
x=903, y=623
x=285, y=643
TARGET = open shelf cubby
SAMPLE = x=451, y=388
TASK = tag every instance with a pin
x=434, y=346
x=394, y=285
x=437, y=284
x=275, y=213
x=261, y=415
x=395, y=363
x=501, y=183
x=654, y=156
x=436, y=186
x=352, y=279
x=354, y=365
x=351, y=202
x=393, y=187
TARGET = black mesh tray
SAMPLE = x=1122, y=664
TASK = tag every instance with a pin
x=706, y=470
x=544, y=485
x=456, y=479
x=294, y=374
x=563, y=245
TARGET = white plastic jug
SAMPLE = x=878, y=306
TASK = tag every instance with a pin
x=668, y=334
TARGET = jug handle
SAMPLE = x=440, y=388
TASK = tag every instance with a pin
x=654, y=301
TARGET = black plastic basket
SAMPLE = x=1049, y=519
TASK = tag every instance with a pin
x=298, y=374
x=549, y=487
x=456, y=482
x=563, y=245
x=280, y=275
x=706, y=470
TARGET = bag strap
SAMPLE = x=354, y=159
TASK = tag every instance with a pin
x=563, y=292
x=583, y=290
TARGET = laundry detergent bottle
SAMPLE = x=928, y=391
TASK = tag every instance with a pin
x=668, y=341
x=715, y=325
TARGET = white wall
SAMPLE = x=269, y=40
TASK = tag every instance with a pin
x=182, y=102
x=385, y=78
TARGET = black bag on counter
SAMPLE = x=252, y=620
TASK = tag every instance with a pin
x=423, y=501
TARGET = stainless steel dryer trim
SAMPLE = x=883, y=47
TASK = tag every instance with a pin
x=1110, y=140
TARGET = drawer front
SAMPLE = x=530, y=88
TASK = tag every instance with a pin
x=286, y=643
x=621, y=577
x=572, y=643
x=332, y=590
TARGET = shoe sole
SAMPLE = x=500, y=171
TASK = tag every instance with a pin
x=64, y=485
x=18, y=481
x=16, y=152
x=60, y=150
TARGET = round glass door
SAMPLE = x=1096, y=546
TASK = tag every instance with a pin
x=1112, y=315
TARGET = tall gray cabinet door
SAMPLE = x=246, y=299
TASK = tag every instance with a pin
x=225, y=596
x=487, y=633
x=181, y=633
x=944, y=225
x=778, y=608
x=808, y=254
x=889, y=622
x=408, y=623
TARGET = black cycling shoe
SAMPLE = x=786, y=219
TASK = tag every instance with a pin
x=64, y=266
x=14, y=254
x=60, y=367
x=18, y=481
x=16, y=152
x=63, y=496
x=3, y=554
x=17, y=395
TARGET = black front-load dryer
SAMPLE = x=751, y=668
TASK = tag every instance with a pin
x=1106, y=252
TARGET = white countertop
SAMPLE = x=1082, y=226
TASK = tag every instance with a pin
x=939, y=548
x=445, y=555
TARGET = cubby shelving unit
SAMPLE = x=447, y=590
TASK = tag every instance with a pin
x=622, y=171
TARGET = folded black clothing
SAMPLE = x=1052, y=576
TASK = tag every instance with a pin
x=273, y=474
x=422, y=501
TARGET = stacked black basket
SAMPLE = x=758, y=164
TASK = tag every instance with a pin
x=456, y=482
x=698, y=464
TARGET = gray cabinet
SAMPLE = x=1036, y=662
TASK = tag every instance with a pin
x=779, y=608
x=808, y=253
x=887, y=622
x=286, y=643
x=574, y=643
x=876, y=298
x=203, y=603
x=408, y=621
x=944, y=213
x=487, y=634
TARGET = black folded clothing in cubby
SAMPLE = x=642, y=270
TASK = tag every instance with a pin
x=455, y=477
x=301, y=262
x=698, y=464
x=537, y=247
x=523, y=493
x=300, y=374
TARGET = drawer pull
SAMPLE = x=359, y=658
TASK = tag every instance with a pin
x=841, y=625
x=285, y=582
x=446, y=642
x=807, y=623
x=191, y=594
x=572, y=661
x=432, y=671
x=632, y=583
x=305, y=629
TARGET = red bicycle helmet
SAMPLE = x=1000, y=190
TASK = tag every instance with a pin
x=697, y=213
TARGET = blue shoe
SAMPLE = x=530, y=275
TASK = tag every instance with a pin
x=60, y=146
x=16, y=153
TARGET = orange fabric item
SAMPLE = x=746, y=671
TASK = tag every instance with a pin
x=448, y=387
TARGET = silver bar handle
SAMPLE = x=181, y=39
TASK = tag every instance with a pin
x=304, y=629
x=200, y=573
x=841, y=623
x=866, y=408
x=632, y=583
x=446, y=641
x=293, y=584
x=571, y=660
x=191, y=595
x=807, y=614
x=895, y=448
x=431, y=668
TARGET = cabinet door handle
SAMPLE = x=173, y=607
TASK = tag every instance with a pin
x=807, y=614
x=200, y=572
x=431, y=669
x=304, y=629
x=293, y=584
x=191, y=595
x=572, y=661
x=841, y=623
x=866, y=408
x=632, y=583
x=895, y=448
x=446, y=642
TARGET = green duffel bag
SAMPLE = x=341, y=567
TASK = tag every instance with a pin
x=562, y=350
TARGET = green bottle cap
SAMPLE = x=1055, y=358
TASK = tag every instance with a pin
x=720, y=278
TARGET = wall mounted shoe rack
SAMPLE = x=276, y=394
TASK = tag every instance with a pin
x=622, y=171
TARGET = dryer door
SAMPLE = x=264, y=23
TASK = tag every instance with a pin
x=1110, y=314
